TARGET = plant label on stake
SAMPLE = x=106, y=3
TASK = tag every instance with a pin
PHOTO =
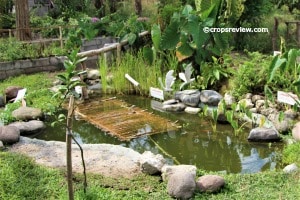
x=287, y=97
x=157, y=93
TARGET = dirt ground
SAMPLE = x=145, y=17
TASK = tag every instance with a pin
x=105, y=159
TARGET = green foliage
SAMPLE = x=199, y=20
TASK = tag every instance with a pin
x=288, y=68
x=37, y=94
x=6, y=115
x=68, y=80
x=134, y=65
x=291, y=154
x=250, y=74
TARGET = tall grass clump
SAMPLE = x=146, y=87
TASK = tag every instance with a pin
x=135, y=66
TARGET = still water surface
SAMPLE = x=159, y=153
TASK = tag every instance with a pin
x=194, y=143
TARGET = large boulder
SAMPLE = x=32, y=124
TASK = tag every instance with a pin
x=30, y=127
x=210, y=97
x=264, y=134
x=188, y=97
x=179, y=107
x=93, y=74
x=282, y=126
x=168, y=170
x=9, y=134
x=27, y=113
x=210, y=183
x=151, y=164
x=181, y=185
x=11, y=92
x=2, y=101
x=296, y=131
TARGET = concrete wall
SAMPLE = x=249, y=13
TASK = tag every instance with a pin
x=18, y=67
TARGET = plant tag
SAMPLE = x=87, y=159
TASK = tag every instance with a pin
x=157, y=93
x=287, y=97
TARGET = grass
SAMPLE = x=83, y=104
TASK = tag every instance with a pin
x=134, y=65
x=38, y=94
x=21, y=178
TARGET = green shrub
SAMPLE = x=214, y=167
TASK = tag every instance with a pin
x=291, y=154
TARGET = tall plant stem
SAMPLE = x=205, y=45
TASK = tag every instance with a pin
x=69, y=148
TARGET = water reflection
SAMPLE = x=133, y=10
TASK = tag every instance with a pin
x=194, y=143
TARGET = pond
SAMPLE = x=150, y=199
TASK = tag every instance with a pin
x=194, y=143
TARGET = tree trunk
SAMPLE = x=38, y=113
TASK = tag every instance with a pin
x=138, y=7
x=22, y=20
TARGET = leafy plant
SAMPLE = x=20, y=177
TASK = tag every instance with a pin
x=6, y=115
x=291, y=154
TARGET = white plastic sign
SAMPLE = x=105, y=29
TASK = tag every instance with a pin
x=288, y=98
x=157, y=93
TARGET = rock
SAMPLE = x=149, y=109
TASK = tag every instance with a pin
x=151, y=164
x=192, y=110
x=248, y=96
x=178, y=94
x=296, y=131
x=253, y=110
x=170, y=102
x=256, y=97
x=210, y=97
x=2, y=101
x=283, y=126
x=27, y=113
x=174, y=107
x=96, y=86
x=229, y=100
x=93, y=74
x=264, y=134
x=188, y=97
x=246, y=103
x=1, y=145
x=267, y=111
x=168, y=170
x=181, y=185
x=291, y=114
x=9, y=134
x=291, y=168
x=259, y=104
x=30, y=127
x=11, y=92
x=210, y=183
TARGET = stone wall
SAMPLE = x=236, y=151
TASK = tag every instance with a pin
x=30, y=66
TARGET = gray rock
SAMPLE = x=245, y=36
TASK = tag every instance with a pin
x=2, y=101
x=179, y=107
x=178, y=94
x=253, y=110
x=290, y=168
x=256, y=97
x=181, y=185
x=93, y=74
x=11, y=92
x=188, y=97
x=30, y=127
x=1, y=145
x=151, y=164
x=210, y=183
x=264, y=134
x=210, y=97
x=246, y=103
x=27, y=113
x=296, y=131
x=282, y=126
x=259, y=104
x=248, y=96
x=170, y=102
x=291, y=114
x=168, y=170
x=229, y=100
x=9, y=134
x=192, y=110
x=267, y=111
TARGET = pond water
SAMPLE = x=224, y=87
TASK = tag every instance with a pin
x=194, y=143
